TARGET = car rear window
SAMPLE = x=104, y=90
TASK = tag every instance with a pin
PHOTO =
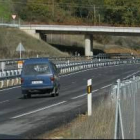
x=36, y=69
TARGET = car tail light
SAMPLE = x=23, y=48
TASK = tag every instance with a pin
x=52, y=79
x=22, y=80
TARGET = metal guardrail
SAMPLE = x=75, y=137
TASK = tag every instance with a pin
x=66, y=68
x=86, y=65
x=71, y=67
x=127, y=97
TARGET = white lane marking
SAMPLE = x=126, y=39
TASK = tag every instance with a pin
x=95, y=90
x=79, y=96
x=92, y=92
x=106, y=86
x=83, y=94
x=131, y=75
x=4, y=101
x=44, y=108
x=9, y=88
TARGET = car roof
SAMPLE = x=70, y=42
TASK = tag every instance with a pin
x=36, y=60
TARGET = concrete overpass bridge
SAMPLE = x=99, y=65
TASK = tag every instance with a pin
x=40, y=31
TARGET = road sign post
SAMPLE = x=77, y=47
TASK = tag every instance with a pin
x=14, y=17
x=89, y=96
x=20, y=64
x=20, y=48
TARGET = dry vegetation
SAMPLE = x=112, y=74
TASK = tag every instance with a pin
x=10, y=38
x=99, y=126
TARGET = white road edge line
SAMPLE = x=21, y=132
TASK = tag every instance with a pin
x=4, y=101
x=83, y=94
x=92, y=92
x=95, y=90
x=131, y=75
x=44, y=108
x=9, y=88
x=79, y=96
x=106, y=86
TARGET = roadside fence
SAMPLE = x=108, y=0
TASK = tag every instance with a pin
x=126, y=95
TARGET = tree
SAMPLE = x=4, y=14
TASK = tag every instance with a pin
x=122, y=12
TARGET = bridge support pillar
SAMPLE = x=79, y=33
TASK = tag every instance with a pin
x=88, y=45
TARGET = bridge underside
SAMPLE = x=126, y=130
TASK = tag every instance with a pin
x=41, y=34
x=92, y=33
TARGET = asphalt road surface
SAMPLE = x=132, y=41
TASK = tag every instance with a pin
x=28, y=118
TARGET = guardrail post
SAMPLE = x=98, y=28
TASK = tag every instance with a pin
x=12, y=82
x=134, y=115
x=89, y=98
x=2, y=83
x=117, y=120
x=17, y=80
x=8, y=82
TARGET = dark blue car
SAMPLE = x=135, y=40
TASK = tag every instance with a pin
x=39, y=76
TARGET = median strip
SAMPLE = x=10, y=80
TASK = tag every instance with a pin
x=41, y=109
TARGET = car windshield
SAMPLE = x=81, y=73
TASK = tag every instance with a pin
x=36, y=69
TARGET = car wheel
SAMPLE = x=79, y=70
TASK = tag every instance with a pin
x=29, y=95
x=53, y=94
x=26, y=94
x=57, y=93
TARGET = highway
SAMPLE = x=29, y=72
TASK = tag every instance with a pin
x=28, y=118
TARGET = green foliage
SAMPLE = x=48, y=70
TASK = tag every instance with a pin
x=94, y=12
x=10, y=38
x=5, y=10
x=122, y=12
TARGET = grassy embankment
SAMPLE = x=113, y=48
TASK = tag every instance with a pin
x=10, y=38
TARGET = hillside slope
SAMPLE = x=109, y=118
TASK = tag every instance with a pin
x=11, y=37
